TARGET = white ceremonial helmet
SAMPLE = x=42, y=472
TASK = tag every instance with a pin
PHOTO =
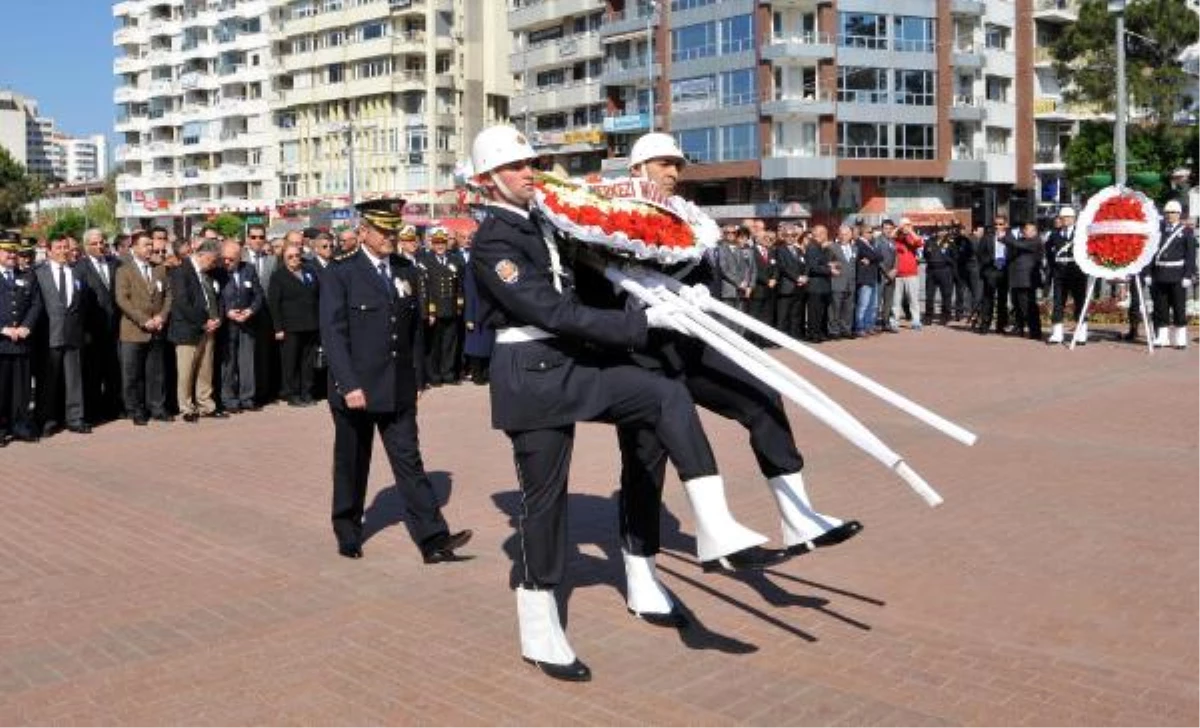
x=497, y=146
x=1066, y=212
x=656, y=145
x=1173, y=206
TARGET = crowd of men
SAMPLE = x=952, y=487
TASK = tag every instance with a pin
x=148, y=326
x=859, y=280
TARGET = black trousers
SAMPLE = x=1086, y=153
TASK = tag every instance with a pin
x=60, y=386
x=15, y=393
x=1170, y=304
x=353, y=440
x=266, y=357
x=1025, y=310
x=102, y=391
x=297, y=357
x=785, y=313
x=995, y=300
x=633, y=397
x=940, y=281
x=441, y=360
x=1074, y=286
x=968, y=290
x=720, y=386
x=762, y=309
x=817, y=325
x=142, y=375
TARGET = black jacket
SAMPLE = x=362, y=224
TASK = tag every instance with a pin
x=816, y=265
x=191, y=306
x=1024, y=262
x=20, y=305
x=294, y=301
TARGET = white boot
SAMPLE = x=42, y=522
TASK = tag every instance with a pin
x=1082, y=332
x=1181, y=337
x=644, y=594
x=1056, y=335
x=717, y=533
x=542, y=637
x=1162, y=337
x=801, y=524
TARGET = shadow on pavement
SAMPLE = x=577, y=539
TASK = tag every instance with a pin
x=387, y=509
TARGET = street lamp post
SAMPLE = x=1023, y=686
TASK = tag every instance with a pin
x=651, y=7
x=1118, y=7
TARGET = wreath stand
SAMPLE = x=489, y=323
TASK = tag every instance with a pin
x=1087, y=302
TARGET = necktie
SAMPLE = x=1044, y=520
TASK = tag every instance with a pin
x=102, y=268
x=146, y=273
x=383, y=273
x=62, y=284
x=8, y=277
x=535, y=216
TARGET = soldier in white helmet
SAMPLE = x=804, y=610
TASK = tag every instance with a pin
x=546, y=375
x=1172, y=272
x=719, y=385
x=1069, y=280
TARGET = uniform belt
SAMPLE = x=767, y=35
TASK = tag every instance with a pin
x=520, y=334
x=1169, y=263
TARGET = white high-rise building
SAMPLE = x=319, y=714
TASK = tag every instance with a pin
x=35, y=142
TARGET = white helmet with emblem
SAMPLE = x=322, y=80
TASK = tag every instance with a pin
x=1173, y=206
x=656, y=145
x=497, y=146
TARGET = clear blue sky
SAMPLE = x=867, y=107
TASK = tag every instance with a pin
x=60, y=52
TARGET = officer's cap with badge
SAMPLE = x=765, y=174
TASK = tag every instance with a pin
x=384, y=214
x=10, y=241
x=408, y=232
x=439, y=234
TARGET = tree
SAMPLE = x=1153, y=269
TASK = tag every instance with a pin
x=1157, y=32
x=227, y=224
x=17, y=188
x=1153, y=151
x=66, y=222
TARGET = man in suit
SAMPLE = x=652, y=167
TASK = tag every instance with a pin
x=843, y=284
x=20, y=310
x=939, y=275
x=820, y=265
x=144, y=298
x=733, y=267
x=766, y=276
x=241, y=299
x=885, y=245
x=444, y=309
x=371, y=327
x=195, y=318
x=993, y=269
x=102, y=375
x=266, y=358
x=1024, y=276
x=968, y=288
x=60, y=377
x=478, y=340
x=789, y=299
x=866, y=282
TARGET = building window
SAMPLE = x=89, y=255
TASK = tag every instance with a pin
x=288, y=184
x=996, y=37
x=861, y=85
x=915, y=88
x=335, y=73
x=739, y=142
x=862, y=30
x=374, y=68
x=371, y=31
x=915, y=141
x=997, y=140
x=698, y=145
x=552, y=122
x=541, y=37
x=677, y=5
x=738, y=88
x=996, y=88
x=552, y=77
x=694, y=94
x=862, y=141
x=289, y=152
x=913, y=34
x=694, y=41
x=737, y=34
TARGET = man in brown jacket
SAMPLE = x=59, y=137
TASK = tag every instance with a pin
x=144, y=298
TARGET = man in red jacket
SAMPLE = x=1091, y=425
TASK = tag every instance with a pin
x=907, y=244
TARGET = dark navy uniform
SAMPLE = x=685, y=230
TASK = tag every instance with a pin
x=1069, y=280
x=1174, y=261
x=20, y=307
x=371, y=329
x=546, y=375
x=939, y=275
x=443, y=276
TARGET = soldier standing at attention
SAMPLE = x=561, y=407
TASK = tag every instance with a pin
x=445, y=307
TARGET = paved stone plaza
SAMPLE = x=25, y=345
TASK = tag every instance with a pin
x=186, y=574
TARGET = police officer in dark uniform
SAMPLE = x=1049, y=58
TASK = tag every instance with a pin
x=20, y=307
x=445, y=306
x=1069, y=280
x=546, y=375
x=371, y=325
x=1172, y=271
x=939, y=274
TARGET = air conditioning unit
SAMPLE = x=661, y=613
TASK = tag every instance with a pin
x=416, y=158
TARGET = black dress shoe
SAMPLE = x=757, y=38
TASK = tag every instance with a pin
x=140, y=421
x=190, y=418
x=575, y=672
x=674, y=618
x=51, y=429
x=350, y=550
x=5, y=439
x=832, y=537
x=753, y=558
x=80, y=428
x=164, y=417
x=233, y=410
x=441, y=548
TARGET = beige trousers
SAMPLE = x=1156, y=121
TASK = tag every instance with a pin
x=195, y=377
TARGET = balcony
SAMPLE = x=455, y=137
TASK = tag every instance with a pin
x=810, y=162
x=799, y=47
x=966, y=58
x=1056, y=11
x=788, y=102
x=127, y=94
x=129, y=64
x=967, y=108
x=163, y=87
x=1048, y=157
x=537, y=12
x=130, y=35
x=1043, y=57
x=970, y=8
x=628, y=72
x=554, y=52
x=626, y=23
x=565, y=96
x=163, y=26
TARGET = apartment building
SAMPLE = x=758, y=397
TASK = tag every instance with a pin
x=34, y=141
x=79, y=159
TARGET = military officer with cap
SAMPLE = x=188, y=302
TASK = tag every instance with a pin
x=547, y=374
x=445, y=308
x=1172, y=272
x=371, y=321
x=1069, y=280
x=20, y=307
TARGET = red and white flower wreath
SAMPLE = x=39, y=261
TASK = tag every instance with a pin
x=1117, y=234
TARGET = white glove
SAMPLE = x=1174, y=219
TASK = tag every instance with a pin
x=1186, y=282
x=665, y=316
x=697, y=295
